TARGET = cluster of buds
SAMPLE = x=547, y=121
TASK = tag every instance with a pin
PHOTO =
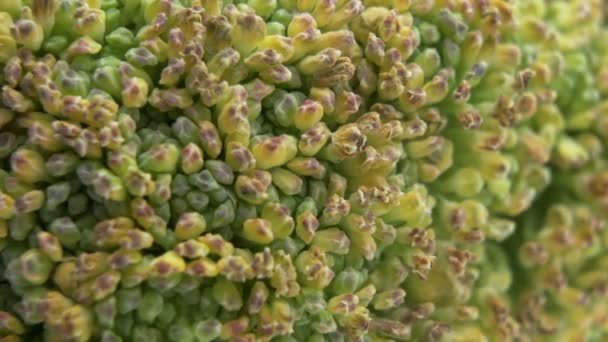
x=564, y=292
x=307, y=170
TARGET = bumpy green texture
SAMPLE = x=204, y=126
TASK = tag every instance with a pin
x=303, y=170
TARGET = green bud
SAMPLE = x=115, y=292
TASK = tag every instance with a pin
x=151, y=306
x=128, y=299
x=35, y=266
x=7, y=206
x=8, y=143
x=180, y=331
x=162, y=158
x=227, y=295
x=141, y=56
x=307, y=167
x=109, y=186
x=208, y=330
x=223, y=215
x=28, y=165
x=191, y=159
x=29, y=202
x=190, y=225
x=134, y=92
x=180, y=185
x=66, y=231
x=282, y=224
x=164, y=100
x=332, y=240
x=388, y=299
x=258, y=231
x=186, y=131
x=221, y=171
x=313, y=140
x=57, y=194
x=252, y=186
x=28, y=33
x=10, y=324
x=464, y=182
x=274, y=151
x=77, y=204
x=9, y=44
x=121, y=38
x=288, y=182
x=50, y=245
x=6, y=116
x=204, y=181
x=239, y=157
x=347, y=281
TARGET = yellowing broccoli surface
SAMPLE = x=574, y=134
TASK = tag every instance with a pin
x=303, y=170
